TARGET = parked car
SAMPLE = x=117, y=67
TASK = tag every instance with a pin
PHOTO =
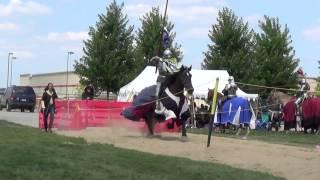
x=19, y=97
x=2, y=91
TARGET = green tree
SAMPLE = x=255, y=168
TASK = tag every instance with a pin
x=231, y=47
x=274, y=55
x=149, y=36
x=108, y=62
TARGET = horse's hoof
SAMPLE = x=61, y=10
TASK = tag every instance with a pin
x=244, y=138
x=150, y=135
x=184, y=138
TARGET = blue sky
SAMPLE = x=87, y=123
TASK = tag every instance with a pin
x=41, y=32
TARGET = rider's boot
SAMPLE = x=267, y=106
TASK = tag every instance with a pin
x=219, y=105
x=157, y=96
x=297, y=112
x=168, y=114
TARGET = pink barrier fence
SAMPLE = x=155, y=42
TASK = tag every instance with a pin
x=80, y=114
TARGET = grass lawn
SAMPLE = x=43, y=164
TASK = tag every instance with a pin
x=291, y=138
x=28, y=153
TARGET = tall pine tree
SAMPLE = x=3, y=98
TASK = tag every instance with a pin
x=274, y=55
x=108, y=62
x=231, y=47
x=148, y=37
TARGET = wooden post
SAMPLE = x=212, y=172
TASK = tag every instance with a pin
x=193, y=112
x=213, y=110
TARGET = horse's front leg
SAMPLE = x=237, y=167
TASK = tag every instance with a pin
x=238, y=128
x=150, y=123
x=222, y=128
x=305, y=130
x=183, y=128
x=247, y=133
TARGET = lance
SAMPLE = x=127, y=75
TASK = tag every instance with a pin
x=162, y=29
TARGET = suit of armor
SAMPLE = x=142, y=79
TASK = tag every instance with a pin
x=167, y=67
x=302, y=93
x=229, y=92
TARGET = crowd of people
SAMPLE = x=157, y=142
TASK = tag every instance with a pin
x=202, y=115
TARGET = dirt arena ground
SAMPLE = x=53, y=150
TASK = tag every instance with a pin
x=286, y=161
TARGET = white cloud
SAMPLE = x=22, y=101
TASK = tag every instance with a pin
x=137, y=10
x=65, y=36
x=22, y=51
x=5, y=45
x=8, y=26
x=312, y=33
x=188, y=2
x=253, y=19
x=219, y=3
x=194, y=14
x=23, y=54
x=182, y=12
x=196, y=33
x=192, y=18
x=23, y=7
x=77, y=49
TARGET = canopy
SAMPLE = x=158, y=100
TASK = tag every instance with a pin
x=202, y=80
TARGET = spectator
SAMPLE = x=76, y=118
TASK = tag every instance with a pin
x=201, y=107
x=206, y=108
x=88, y=93
x=48, y=106
x=134, y=97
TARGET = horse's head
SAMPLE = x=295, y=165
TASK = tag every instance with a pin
x=272, y=98
x=211, y=94
x=184, y=76
x=276, y=99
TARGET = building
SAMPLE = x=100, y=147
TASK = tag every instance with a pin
x=40, y=81
x=313, y=82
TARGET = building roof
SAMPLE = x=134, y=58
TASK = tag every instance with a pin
x=46, y=74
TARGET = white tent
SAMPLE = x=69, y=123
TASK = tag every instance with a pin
x=201, y=81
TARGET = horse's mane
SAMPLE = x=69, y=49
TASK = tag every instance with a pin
x=211, y=92
x=173, y=77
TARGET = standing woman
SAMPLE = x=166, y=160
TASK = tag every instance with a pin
x=48, y=106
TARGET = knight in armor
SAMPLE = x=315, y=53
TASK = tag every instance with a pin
x=167, y=67
x=302, y=93
x=229, y=92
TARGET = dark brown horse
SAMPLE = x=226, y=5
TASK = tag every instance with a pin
x=210, y=96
